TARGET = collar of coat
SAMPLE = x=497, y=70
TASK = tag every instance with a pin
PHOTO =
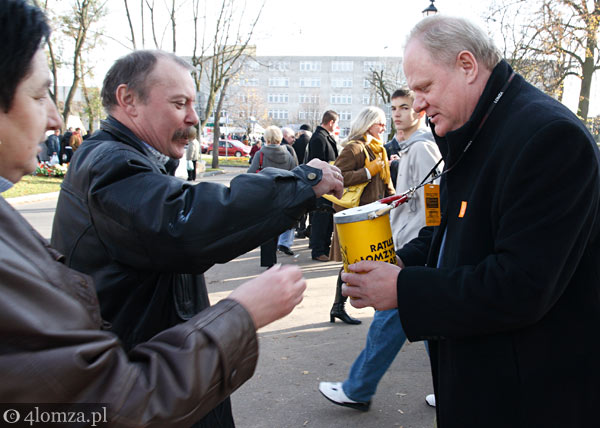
x=452, y=145
x=124, y=134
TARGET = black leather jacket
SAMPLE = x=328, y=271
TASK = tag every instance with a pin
x=146, y=237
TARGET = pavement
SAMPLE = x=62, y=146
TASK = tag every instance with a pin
x=304, y=348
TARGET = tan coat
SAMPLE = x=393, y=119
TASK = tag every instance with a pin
x=351, y=162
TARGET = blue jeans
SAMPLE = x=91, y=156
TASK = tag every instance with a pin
x=286, y=238
x=384, y=340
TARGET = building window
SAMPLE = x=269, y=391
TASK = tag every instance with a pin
x=282, y=82
x=308, y=99
x=341, y=83
x=366, y=83
x=312, y=82
x=345, y=115
x=344, y=132
x=278, y=114
x=252, y=65
x=278, y=98
x=279, y=66
x=341, y=99
x=249, y=82
x=372, y=65
x=308, y=115
x=310, y=65
x=342, y=66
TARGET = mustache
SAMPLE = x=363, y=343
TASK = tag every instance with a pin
x=183, y=133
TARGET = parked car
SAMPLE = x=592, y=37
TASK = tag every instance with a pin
x=204, y=145
x=230, y=148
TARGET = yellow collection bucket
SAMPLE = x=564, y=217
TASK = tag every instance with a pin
x=365, y=234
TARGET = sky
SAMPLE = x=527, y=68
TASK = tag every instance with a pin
x=307, y=27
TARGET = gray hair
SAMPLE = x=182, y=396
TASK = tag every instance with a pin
x=287, y=131
x=273, y=135
x=365, y=119
x=134, y=70
x=445, y=36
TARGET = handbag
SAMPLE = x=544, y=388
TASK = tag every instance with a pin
x=260, y=161
x=352, y=194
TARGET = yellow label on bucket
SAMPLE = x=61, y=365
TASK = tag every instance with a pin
x=369, y=239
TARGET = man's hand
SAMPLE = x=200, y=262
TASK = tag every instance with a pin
x=332, y=181
x=372, y=284
x=271, y=295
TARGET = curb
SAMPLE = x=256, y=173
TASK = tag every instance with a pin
x=31, y=198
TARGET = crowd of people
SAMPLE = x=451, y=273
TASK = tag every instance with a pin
x=504, y=285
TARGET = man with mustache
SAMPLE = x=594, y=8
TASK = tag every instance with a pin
x=146, y=237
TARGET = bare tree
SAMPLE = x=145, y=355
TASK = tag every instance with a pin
x=558, y=38
x=130, y=23
x=76, y=32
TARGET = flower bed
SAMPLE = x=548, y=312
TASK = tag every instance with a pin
x=47, y=170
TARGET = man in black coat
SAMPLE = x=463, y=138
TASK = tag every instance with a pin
x=302, y=139
x=65, y=147
x=322, y=146
x=507, y=287
x=146, y=237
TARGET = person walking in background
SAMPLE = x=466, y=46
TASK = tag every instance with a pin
x=322, y=146
x=288, y=141
x=302, y=139
x=53, y=144
x=286, y=239
x=76, y=139
x=255, y=148
x=192, y=154
x=363, y=159
x=506, y=288
x=419, y=154
x=56, y=347
x=146, y=237
x=272, y=154
x=65, y=147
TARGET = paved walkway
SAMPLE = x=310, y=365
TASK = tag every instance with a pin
x=299, y=351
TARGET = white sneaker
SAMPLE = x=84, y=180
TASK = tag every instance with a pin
x=333, y=392
x=430, y=399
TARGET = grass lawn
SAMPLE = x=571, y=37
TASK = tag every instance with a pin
x=32, y=185
x=226, y=161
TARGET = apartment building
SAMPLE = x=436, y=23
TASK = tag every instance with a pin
x=291, y=90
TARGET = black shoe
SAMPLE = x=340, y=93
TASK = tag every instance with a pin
x=285, y=250
x=338, y=311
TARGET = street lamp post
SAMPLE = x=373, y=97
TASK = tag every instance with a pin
x=430, y=11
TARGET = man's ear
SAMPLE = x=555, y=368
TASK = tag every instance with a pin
x=467, y=64
x=126, y=100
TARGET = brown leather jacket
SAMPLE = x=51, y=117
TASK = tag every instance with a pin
x=53, y=348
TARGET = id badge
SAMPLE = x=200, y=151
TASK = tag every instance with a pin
x=433, y=213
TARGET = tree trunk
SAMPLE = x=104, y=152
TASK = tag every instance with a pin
x=217, y=128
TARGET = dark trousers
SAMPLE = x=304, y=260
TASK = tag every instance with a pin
x=219, y=417
x=268, y=252
x=192, y=172
x=321, y=228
